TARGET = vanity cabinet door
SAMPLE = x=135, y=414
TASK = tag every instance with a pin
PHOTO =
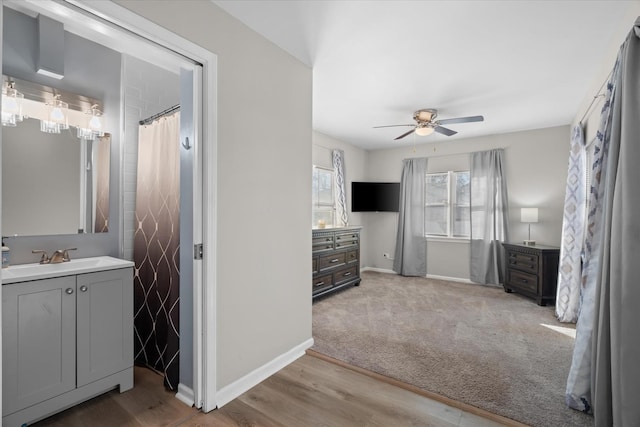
x=38, y=341
x=104, y=324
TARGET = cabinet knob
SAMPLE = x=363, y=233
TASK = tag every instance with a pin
x=69, y=291
x=83, y=288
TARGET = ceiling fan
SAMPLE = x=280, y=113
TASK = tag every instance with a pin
x=426, y=123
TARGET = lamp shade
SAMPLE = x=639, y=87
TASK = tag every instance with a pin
x=528, y=214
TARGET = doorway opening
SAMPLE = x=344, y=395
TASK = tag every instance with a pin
x=190, y=74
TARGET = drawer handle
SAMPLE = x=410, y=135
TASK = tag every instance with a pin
x=83, y=288
x=334, y=260
x=69, y=291
x=348, y=273
x=319, y=284
x=328, y=240
x=524, y=280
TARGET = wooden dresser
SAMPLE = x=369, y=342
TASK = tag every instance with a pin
x=336, y=259
x=532, y=271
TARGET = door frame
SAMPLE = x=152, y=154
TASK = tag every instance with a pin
x=205, y=190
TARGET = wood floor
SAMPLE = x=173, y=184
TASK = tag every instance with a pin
x=309, y=392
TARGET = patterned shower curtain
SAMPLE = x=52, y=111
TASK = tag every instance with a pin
x=570, y=270
x=156, y=249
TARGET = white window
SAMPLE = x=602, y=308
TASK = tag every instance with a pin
x=447, y=209
x=324, y=207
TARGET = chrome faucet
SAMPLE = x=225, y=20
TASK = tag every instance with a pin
x=59, y=256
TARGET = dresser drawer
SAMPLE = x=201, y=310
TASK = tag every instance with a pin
x=324, y=243
x=335, y=259
x=322, y=282
x=523, y=261
x=346, y=239
x=344, y=275
x=521, y=280
x=332, y=260
x=352, y=256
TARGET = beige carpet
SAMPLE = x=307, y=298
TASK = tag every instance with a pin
x=472, y=343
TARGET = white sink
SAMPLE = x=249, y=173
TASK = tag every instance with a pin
x=26, y=272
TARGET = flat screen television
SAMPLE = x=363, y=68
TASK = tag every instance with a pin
x=375, y=196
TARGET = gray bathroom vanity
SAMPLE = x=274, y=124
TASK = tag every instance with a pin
x=67, y=334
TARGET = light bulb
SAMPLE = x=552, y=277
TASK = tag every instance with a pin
x=95, y=123
x=56, y=115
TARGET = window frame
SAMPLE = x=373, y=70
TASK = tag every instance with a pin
x=324, y=207
x=450, y=205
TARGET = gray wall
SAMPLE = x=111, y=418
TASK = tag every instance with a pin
x=91, y=70
x=354, y=165
x=536, y=165
x=263, y=176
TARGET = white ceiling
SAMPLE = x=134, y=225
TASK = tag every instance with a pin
x=521, y=64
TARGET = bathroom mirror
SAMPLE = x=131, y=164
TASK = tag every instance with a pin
x=53, y=183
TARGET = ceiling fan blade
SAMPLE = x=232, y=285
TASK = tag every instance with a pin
x=404, y=134
x=461, y=120
x=444, y=131
x=391, y=126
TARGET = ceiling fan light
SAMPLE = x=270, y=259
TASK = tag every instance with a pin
x=424, y=131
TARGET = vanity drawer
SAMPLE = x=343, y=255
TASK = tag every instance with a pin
x=332, y=260
x=352, y=256
x=322, y=282
x=344, y=275
x=524, y=281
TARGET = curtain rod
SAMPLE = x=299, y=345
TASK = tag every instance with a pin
x=160, y=114
x=454, y=154
x=595, y=97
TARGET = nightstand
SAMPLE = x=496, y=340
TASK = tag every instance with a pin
x=532, y=271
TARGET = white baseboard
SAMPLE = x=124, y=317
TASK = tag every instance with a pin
x=185, y=395
x=449, y=279
x=378, y=270
x=229, y=392
x=429, y=276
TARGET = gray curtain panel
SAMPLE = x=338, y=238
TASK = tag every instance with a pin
x=489, y=216
x=616, y=347
x=578, y=394
x=341, y=192
x=411, y=245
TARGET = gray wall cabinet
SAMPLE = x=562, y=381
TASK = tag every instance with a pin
x=65, y=340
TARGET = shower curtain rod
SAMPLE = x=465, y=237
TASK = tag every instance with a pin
x=160, y=114
x=595, y=97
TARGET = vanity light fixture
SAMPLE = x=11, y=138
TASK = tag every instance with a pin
x=93, y=126
x=11, y=104
x=56, y=117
